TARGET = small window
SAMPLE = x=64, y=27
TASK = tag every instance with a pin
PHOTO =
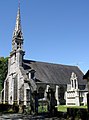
x=15, y=57
x=32, y=75
x=17, y=45
x=75, y=83
x=72, y=83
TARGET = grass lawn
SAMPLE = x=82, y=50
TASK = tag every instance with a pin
x=42, y=109
x=63, y=108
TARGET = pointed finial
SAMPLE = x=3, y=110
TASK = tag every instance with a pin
x=19, y=3
x=18, y=30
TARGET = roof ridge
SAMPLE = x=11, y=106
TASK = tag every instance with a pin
x=50, y=63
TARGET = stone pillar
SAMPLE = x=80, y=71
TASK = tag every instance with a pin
x=76, y=84
x=77, y=103
x=88, y=95
x=88, y=102
x=12, y=91
x=36, y=103
x=85, y=99
x=18, y=93
x=86, y=77
x=45, y=94
x=24, y=95
x=56, y=94
x=66, y=95
x=2, y=96
x=4, y=91
x=88, y=85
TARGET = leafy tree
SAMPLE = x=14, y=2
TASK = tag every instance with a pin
x=3, y=70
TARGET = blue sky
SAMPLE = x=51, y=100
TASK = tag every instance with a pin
x=54, y=31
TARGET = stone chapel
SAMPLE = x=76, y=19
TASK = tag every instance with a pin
x=27, y=77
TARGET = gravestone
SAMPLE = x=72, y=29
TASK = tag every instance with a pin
x=52, y=102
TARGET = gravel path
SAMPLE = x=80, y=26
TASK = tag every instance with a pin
x=25, y=117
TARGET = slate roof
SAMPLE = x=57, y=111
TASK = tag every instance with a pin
x=53, y=73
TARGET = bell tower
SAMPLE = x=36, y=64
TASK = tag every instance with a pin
x=17, y=53
x=17, y=39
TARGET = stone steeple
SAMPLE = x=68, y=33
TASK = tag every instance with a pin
x=17, y=39
x=17, y=53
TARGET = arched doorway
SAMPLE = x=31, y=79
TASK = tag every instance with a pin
x=40, y=92
x=61, y=95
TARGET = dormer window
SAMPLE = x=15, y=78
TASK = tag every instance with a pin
x=31, y=74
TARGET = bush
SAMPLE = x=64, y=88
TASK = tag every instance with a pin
x=5, y=107
x=77, y=113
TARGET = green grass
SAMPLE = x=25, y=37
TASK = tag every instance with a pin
x=63, y=108
x=42, y=109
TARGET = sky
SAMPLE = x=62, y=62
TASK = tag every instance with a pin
x=55, y=31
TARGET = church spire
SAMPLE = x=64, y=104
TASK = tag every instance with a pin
x=17, y=52
x=17, y=40
x=18, y=30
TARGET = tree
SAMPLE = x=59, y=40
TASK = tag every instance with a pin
x=3, y=70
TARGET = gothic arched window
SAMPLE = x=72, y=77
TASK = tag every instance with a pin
x=40, y=93
x=61, y=95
